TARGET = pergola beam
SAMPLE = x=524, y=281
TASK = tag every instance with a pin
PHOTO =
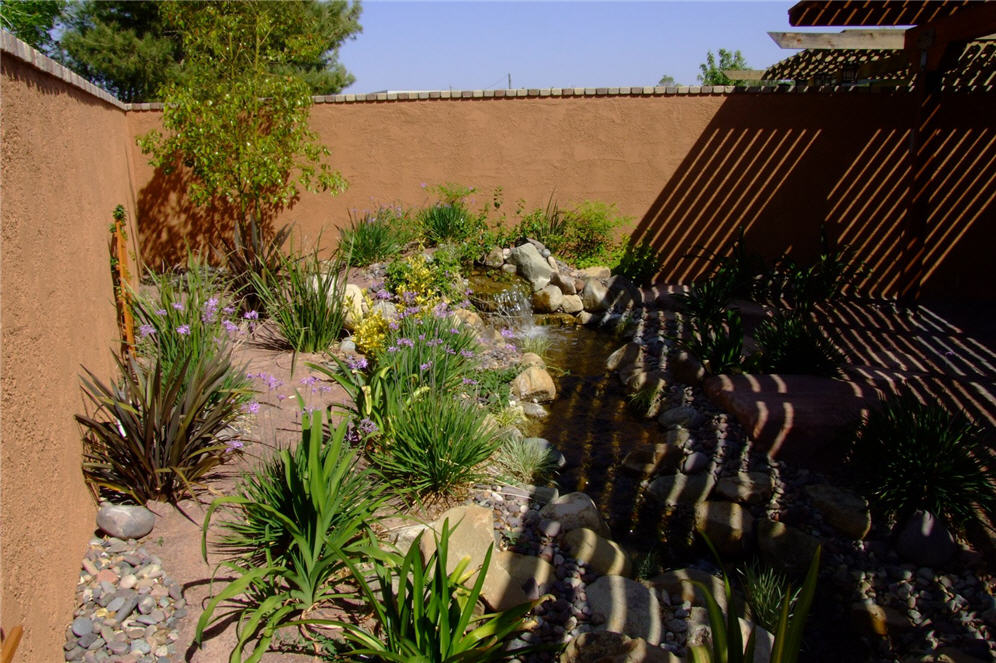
x=744, y=74
x=846, y=39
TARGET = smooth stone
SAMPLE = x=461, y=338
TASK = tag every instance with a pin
x=573, y=511
x=471, y=534
x=682, y=583
x=531, y=265
x=746, y=487
x=595, y=296
x=696, y=463
x=547, y=299
x=628, y=607
x=535, y=411
x=683, y=415
x=531, y=359
x=603, y=555
x=566, y=284
x=509, y=576
x=650, y=458
x=534, y=383
x=352, y=298
x=125, y=521
x=595, y=272
x=728, y=526
x=81, y=626
x=845, y=511
x=495, y=258
x=784, y=547
x=572, y=304
x=686, y=368
x=681, y=488
x=629, y=354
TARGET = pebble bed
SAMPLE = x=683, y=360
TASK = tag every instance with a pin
x=128, y=608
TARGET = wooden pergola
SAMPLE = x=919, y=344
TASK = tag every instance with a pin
x=940, y=41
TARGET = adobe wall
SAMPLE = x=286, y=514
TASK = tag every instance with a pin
x=64, y=161
x=691, y=168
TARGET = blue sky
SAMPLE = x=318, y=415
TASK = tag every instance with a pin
x=408, y=45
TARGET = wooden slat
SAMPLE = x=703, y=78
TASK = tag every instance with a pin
x=744, y=74
x=853, y=13
x=10, y=643
x=847, y=39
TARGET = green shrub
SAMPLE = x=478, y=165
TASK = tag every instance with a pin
x=430, y=349
x=253, y=254
x=158, y=433
x=425, y=613
x=375, y=236
x=794, y=345
x=766, y=590
x=525, y=462
x=446, y=223
x=424, y=281
x=548, y=226
x=307, y=300
x=706, y=301
x=590, y=227
x=639, y=263
x=437, y=445
x=492, y=387
x=718, y=344
x=735, y=269
x=303, y=520
x=914, y=456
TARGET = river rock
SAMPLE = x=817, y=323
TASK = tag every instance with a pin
x=531, y=266
x=548, y=299
x=686, y=368
x=595, y=296
x=728, y=526
x=572, y=304
x=609, y=647
x=681, y=583
x=700, y=634
x=696, y=463
x=627, y=606
x=626, y=355
x=845, y=511
x=573, y=511
x=389, y=311
x=468, y=318
x=495, y=258
x=648, y=458
x=784, y=547
x=746, y=487
x=531, y=359
x=604, y=556
x=925, y=541
x=595, y=272
x=533, y=410
x=352, y=297
x=534, y=383
x=509, y=576
x=565, y=283
x=471, y=534
x=125, y=521
x=681, y=488
x=683, y=415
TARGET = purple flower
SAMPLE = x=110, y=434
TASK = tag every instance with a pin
x=367, y=427
x=357, y=364
x=439, y=310
x=405, y=342
x=411, y=310
x=178, y=306
x=228, y=310
x=210, y=308
x=234, y=445
x=464, y=304
x=510, y=347
x=393, y=326
x=408, y=297
x=251, y=315
x=426, y=366
x=466, y=353
x=252, y=407
x=382, y=294
x=392, y=349
x=230, y=326
x=146, y=330
x=183, y=330
x=507, y=333
x=423, y=185
x=309, y=380
x=450, y=351
x=160, y=311
x=454, y=330
x=469, y=381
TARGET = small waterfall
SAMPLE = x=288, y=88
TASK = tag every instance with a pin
x=513, y=308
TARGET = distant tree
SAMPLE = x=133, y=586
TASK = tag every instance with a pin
x=712, y=71
x=31, y=21
x=127, y=48
x=666, y=81
x=237, y=125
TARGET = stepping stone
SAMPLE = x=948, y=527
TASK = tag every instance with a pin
x=575, y=510
x=746, y=487
x=845, y=511
x=729, y=526
x=681, y=488
x=604, y=556
x=627, y=606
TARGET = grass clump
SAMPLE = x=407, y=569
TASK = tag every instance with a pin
x=526, y=462
x=638, y=262
x=376, y=236
x=793, y=344
x=913, y=456
x=766, y=591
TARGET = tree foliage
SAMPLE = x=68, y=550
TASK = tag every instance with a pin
x=31, y=20
x=238, y=121
x=712, y=71
x=666, y=81
x=129, y=49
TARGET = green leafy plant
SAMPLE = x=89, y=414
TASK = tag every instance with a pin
x=423, y=281
x=298, y=528
x=766, y=590
x=157, y=433
x=446, y=223
x=734, y=270
x=538, y=344
x=706, y=301
x=436, y=445
x=791, y=343
x=718, y=344
x=525, y=462
x=727, y=642
x=492, y=387
x=590, y=226
x=253, y=255
x=376, y=235
x=307, y=300
x=424, y=613
x=548, y=226
x=912, y=456
x=638, y=262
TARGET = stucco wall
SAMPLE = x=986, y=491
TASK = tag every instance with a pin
x=64, y=164
x=691, y=169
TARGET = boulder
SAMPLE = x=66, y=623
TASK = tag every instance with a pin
x=588, y=319
x=125, y=521
x=699, y=634
x=595, y=296
x=533, y=410
x=495, y=258
x=695, y=463
x=627, y=606
x=604, y=556
x=679, y=489
x=595, y=272
x=514, y=579
x=471, y=534
x=387, y=310
x=728, y=526
x=683, y=415
x=534, y=383
x=623, y=294
x=845, y=511
x=746, y=487
x=784, y=547
x=686, y=368
x=678, y=436
x=573, y=511
x=531, y=359
x=572, y=304
x=925, y=541
x=531, y=265
x=547, y=299
x=639, y=379
x=468, y=318
x=609, y=647
x=627, y=355
x=352, y=297
x=565, y=283
x=681, y=584
x=649, y=459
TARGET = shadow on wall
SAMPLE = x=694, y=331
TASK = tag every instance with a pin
x=191, y=227
x=779, y=165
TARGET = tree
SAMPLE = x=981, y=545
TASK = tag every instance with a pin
x=712, y=73
x=666, y=81
x=31, y=21
x=128, y=49
x=238, y=126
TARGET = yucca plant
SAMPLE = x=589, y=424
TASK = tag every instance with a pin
x=706, y=301
x=765, y=590
x=912, y=456
x=296, y=530
x=792, y=343
x=158, y=434
x=426, y=615
x=307, y=300
x=727, y=642
x=253, y=255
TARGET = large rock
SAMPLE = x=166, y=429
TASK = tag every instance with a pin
x=626, y=355
x=471, y=533
x=595, y=296
x=514, y=579
x=531, y=266
x=609, y=647
x=628, y=607
x=683, y=415
x=495, y=258
x=925, y=541
x=565, y=283
x=700, y=634
x=845, y=511
x=784, y=547
x=596, y=272
x=469, y=318
x=534, y=383
x=623, y=295
x=531, y=359
x=794, y=417
x=686, y=368
x=548, y=299
x=352, y=297
x=681, y=584
x=679, y=489
x=125, y=521
x=604, y=556
x=728, y=526
x=573, y=511
x=746, y=487
x=653, y=380
x=572, y=304
x=649, y=459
